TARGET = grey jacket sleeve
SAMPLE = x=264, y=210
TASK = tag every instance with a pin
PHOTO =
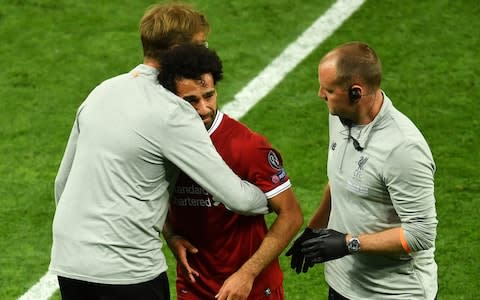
x=410, y=181
x=185, y=143
x=66, y=163
x=189, y=147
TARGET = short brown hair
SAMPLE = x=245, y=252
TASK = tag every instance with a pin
x=165, y=25
x=357, y=61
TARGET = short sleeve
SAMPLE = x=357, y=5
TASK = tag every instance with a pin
x=265, y=167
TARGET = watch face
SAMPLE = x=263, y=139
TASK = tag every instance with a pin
x=353, y=245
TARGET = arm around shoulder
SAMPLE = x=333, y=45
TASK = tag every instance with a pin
x=191, y=149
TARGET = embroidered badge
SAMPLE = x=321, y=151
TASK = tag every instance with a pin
x=334, y=145
x=361, y=164
x=280, y=176
x=273, y=160
x=275, y=179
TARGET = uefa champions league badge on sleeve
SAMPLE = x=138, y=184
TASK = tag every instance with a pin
x=274, y=162
x=279, y=177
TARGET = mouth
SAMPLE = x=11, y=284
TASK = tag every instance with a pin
x=206, y=117
x=207, y=121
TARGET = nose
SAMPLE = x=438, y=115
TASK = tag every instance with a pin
x=321, y=93
x=202, y=107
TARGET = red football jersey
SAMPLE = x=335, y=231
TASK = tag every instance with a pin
x=226, y=240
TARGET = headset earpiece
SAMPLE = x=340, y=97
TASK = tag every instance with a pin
x=354, y=94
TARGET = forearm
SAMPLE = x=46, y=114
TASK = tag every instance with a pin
x=200, y=161
x=410, y=184
x=386, y=242
x=168, y=231
x=226, y=187
x=236, y=194
x=278, y=237
x=321, y=216
x=284, y=228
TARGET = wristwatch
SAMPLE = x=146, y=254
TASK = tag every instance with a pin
x=353, y=245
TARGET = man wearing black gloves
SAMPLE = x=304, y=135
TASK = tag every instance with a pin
x=376, y=226
x=328, y=244
x=319, y=246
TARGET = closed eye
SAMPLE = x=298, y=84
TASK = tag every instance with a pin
x=209, y=95
x=190, y=99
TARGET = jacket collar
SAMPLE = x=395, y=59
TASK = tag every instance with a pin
x=365, y=130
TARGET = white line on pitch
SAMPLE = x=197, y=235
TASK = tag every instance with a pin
x=43, y=289
x=253, y=92
x=310, y=39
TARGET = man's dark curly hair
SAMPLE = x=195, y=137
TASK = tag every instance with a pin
x=188, y=62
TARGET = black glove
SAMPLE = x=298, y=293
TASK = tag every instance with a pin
x=328, y=244
x=298, y=258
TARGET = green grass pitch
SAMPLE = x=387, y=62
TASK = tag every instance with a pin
x=53, y=52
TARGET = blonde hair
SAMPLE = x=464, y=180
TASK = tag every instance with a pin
x=166, y=25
